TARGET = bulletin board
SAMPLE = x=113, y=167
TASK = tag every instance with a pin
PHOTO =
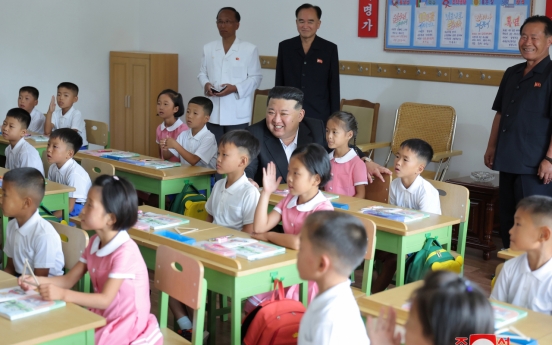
x=456, y=26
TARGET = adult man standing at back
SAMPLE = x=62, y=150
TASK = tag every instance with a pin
x=232, y=67
x=311, y=64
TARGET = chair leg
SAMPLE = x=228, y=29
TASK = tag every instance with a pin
x=367, y=277
x=163, y=309
x=224, y=304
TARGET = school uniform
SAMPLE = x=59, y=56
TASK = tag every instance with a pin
x=235, y=206
x=37, y=122
x=348, y=172
x=23, y=155
x=36, y=240
x=421, y=195
x=203, y=145
x=333, y=318
x=72, y=119
x=73, y=175
x=128, y=318
x=163, y=132
x=518, y=285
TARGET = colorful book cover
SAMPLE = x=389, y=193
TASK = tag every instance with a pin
x=216, y=248
x=161, y=164
x=26, y=306
x=237, y=242
x=39, y=138
x=119, y=155
x=505, y=315
x=259, y=250
x=397, y=214
x=95, y=153
x=15, y=293
x=154, y=221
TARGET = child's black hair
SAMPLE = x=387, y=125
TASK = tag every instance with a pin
x=71, y=86
x=70, y=137
x=176, y=98
x=232, y=9
x=449, y=306
x=30, y=89
x=243, y=140
x=340, y=234
x=28, y=182
x=538, y=207
x=349, y=122
x=119, y=198
x=21, y=115
x=203, y=102
x=421, y=148
x=315, y=159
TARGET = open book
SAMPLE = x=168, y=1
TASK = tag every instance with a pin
x=154, y=221
x=505, y=315
x=15, y=303
x=398, y=214
x=38, y=138
x=118, y=155
x=249, y=249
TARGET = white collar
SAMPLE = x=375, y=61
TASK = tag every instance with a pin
x=69, y=112
x=117, y=241
x=414, y=186
x=29, y=225
x=66, y=166
x=17, y=147
x=234, y=47
x=173, y=127
x=199, y=134
x=542, y=273
x=232, y=189
x=338, y=290
x=348, y=156
x=309, y=205
x=294, y=142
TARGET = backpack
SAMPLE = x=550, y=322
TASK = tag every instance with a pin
x=418, y=264
x=190, y=203
x=275, y=321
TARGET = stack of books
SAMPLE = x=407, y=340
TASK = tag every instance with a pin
x=15, y=303
x=397, y=214
x=247, y=248
x=154, y=221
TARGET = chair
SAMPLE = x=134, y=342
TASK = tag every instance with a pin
x=181, y=277
x=45, y=163
x=370, y=227
x=435, y=124
x=455, y=202
x=497, y=272
x=97, y=133
x=260, y=101
x=378, y=190
x=96, y=168
x=366, y=114
x=73, y=243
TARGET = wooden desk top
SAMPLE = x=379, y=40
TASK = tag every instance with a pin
x=158, y=174
x=508, y=254
x=47, y=326
x=35, y=144
x=535, y=325
x=51, y=187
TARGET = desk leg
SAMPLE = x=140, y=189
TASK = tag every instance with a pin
x=401, y=263
x=66, y=207
x=236, y=321
x=212, y=317
x=4, y=234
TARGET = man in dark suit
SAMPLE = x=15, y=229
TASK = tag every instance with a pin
x=311, y=64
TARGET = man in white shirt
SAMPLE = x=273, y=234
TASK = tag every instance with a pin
x=229, y=74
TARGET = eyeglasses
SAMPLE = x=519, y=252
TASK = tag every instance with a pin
x=227, y=22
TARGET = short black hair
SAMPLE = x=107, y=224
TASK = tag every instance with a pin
x=71, y=86
x=204, y=102
x=340, y=234
x=306, y=6
x=176, y=98
x=120, y=199
x=28, y=182
x=236, y=13
x=20, y=115
x=449, y=306
x=315, y=158
x=243, y=140
x=421, y=148
x=68, y=136
x=538, y=206
x=539, y=19
x=349, y=122
x=30, y=89
x=288, y=93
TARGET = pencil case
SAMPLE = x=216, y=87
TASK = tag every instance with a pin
x=176, y=237
x=341, y=206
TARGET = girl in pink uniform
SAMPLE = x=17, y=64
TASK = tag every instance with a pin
x=308, y=171
x=170, y=107
x=117, y=270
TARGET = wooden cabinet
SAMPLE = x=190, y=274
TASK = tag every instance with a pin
x=136, y=79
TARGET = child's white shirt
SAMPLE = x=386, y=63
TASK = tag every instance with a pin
x=203, y=145
x=23, y=155
x=36, y=240
x=235, y=206
x=72, y=119
x=37, y=122
x=421, y=195
x=73, y=175
x=518, y=285
x=333, y=318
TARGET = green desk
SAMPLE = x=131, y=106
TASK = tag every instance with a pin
x=40, y=146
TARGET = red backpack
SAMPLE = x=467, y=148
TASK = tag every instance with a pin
x=273, y=322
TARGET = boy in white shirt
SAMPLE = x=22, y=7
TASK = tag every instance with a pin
x=332, y=245
x=29, y=236
x=526, y=281
x=19, y=153
x=197, y=145
x=67, y=116
x=64, y=143
x=28, y=100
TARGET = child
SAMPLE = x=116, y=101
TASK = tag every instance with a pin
x=19, y=153
x=526, y=280
x=28, y=100
x=444, y=308
x=308, y=170
x=169, y=107
x=67, y=116
x=349, y=175
x=117, y=270
x=197, y=145
x=64, y=143
x=332, y=245
x=29, y=236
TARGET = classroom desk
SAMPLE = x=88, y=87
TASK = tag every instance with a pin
x=66, y=325
x=236, y=278
x=508, y=254
x=535, y=325
x=158, y=181
x=40, y=146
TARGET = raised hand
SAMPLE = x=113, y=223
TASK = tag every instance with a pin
x=270, y=182
x=52, y=106
x=382, y=331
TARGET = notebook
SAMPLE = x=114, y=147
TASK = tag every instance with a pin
x=249, y=249
x=505, y=315
x=154, y=221
x=17, y=303
x=39, y=138
x=397, y=214
x=119, y=155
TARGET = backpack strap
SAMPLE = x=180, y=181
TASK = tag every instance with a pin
x=278, y=287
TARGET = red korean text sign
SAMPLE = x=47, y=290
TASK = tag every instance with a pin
x=549, y=8
x=368, y=18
